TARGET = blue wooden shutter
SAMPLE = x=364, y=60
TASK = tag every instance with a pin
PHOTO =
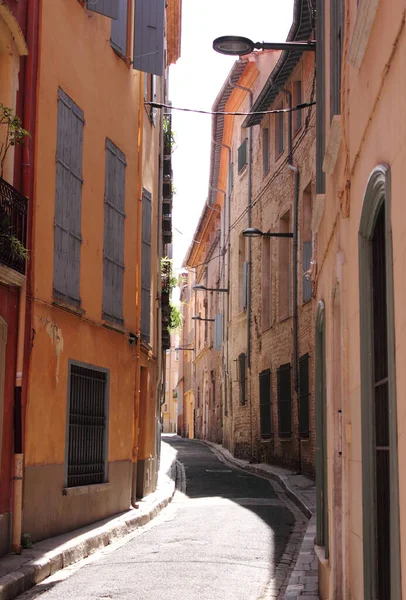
x=149, y=22
x=307, y=284
x=68, y=200
x=108, y=8
x=114, y=216
x=218, y=331
x=146, y=266
x=119, y=29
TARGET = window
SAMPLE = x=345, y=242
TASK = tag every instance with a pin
x=307, y=249
x=284, y=268
x=336, y=51
x=265, y=403
x=242, y=377
x=118, y=37
x=87, y=425
x=279, y=133
x=297, y=99
x=149, y=19
x=304, y=395
x=265, y=150
x=284, y=401
x=266, y=287
x=150, y=95
x=242, y=155
x=146, y=266
x=108, y=8
x=113, y=271
x=68, y=200
x=231, y=177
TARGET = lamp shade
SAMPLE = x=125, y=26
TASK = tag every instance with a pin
x=233, y=45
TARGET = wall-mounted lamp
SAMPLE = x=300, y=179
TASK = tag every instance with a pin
x=253, y=232
x=233, y=45
x=199, y=287
x=199, y=318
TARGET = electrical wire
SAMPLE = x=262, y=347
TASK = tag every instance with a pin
x=238, y=114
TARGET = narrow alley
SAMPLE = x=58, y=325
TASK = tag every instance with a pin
x=222, y=537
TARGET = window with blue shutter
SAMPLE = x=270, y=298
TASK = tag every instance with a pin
x=265, y=403
x=149, y=19
x=146, y=266
x=108, y=8
x=118, y=37
x=114, y=216
x=68, y=200
x=284, y=401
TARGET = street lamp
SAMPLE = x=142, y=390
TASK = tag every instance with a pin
x=199, y=287
x=233, y=45
x=199, y=318
x=253, y=232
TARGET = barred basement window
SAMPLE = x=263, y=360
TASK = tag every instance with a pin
x=304, y=395
x=87, y=425
x=265, y=403
x=284, y=401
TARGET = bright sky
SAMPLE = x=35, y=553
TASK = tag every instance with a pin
x=195, y=81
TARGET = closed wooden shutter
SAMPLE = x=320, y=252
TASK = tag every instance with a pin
x=68, y=200
x=265, y=150
x=149, y=18
x=304, y=395
x=146, y=266
x=307, y=284
x=265, y=403
x=242, y=378
x=108, y=8
x=114, y=216
x=119, y=29
x=284, y=401
x=218, y=331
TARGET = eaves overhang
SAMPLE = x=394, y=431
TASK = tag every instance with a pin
x=300, y=31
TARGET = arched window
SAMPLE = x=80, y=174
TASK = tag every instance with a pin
x=381, y=544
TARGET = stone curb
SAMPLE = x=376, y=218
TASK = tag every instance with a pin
x=38, y=569
x=282, y=480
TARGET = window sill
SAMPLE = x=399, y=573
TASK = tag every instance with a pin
x=75, y=310
x=320, y=552
x=243, y=170
x=283, y=319
x=81, y=490
x=285, y=439
x=277, y=156
x=114, y=326
x=362, y=29
x=266, y=440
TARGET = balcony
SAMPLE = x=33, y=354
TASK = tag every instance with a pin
x=13, y=228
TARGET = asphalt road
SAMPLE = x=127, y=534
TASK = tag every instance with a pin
x=221, y=540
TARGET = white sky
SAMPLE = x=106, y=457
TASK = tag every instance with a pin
x=195, y=81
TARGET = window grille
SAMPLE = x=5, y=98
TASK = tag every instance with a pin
x=284, y=401
x=87, y=435
x=265, y=403
x=304, y=395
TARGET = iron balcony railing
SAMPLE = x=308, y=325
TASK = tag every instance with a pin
x=13, y=227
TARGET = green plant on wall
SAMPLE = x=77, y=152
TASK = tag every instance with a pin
x=15, y=133
x=175, y=318
x=9, y=243
x=169, y=280
x=169, y=138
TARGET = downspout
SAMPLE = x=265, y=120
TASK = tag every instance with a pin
x=295, y=349
x=137, y=367
x=24, y=314
x=249, y=261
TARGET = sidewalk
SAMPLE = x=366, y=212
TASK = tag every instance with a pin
x=19, y=573
x=301, y=490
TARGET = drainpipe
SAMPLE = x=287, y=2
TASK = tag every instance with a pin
x=30, y=78
x=295, y=269
x=249, y=261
